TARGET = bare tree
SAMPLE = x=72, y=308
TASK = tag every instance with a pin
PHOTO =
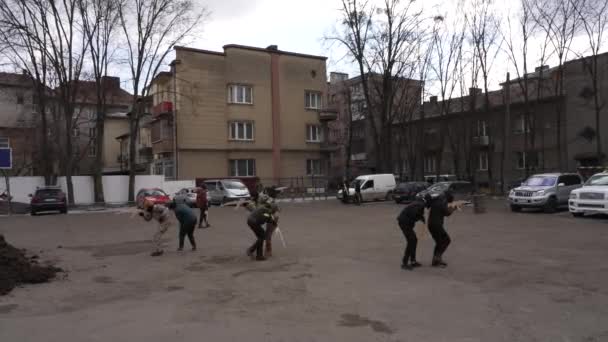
x=99, y=23
x=152, y=28
x=382, y=42
x=484, y=26
x=593, y=15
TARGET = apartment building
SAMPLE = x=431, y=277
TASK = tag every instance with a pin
x=245, y=111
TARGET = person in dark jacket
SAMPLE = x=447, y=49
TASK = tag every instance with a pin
x=260, y=216
x=187, y=222
x=203, y=204
x=407, y=219
x=358, y=198
x=439, y=209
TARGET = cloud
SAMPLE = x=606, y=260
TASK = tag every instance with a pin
x=230, y=9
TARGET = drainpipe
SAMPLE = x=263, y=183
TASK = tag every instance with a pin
x=175, y=159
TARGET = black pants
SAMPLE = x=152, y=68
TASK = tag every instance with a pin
x=203, y=216
x=260, y=235
x=187, y=229
x=412, y=242
x=442, y=239
x=358, y=198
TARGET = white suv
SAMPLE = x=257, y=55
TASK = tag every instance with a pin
x=592, y=197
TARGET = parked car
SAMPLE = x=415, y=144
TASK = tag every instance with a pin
x=592, y=197
x=154, y=195
x=48, y=199
x=186, y=196
x=432, y=179
x=546, y=191
x=373, y=187
x=462, y=190
x=406, y=192
x=222, y=191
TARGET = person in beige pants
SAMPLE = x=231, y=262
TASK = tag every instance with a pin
x=160, y=214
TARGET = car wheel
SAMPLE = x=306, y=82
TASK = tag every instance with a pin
x=397, y=201
x=389, y=196
x=515, y=208
x=578, y=214
x=550, y=206
x=64, y=211
x=33, y=212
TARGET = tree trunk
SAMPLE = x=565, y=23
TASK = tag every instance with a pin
x=97, y=177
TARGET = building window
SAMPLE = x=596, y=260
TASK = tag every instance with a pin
x=429, y=164
x=313, y=133
x=242, y=167
x=20, y=98
x=312, y=100
x=482, y=128
x=529, y=160
x=92, y=149
x=238, y=93
x=92, y=132
x=4, y=142
x=520, y=123
x=75, y=132
x=313, y=167
x=239, y=130
x=483, y=161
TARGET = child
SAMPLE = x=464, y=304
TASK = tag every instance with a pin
x=161, y=214
x=203, y=204
x=407, y=221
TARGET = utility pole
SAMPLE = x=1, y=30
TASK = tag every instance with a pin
x=506, y=158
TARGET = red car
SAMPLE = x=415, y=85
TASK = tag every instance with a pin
x=156, y=196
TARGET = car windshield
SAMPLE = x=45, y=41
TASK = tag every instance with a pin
x=598, y=180
x=156, y=193
x=405, y=186
x=439, y=187
x=48, y=193
x=234, y=185
x=540, y=181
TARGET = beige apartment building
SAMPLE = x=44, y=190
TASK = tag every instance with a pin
x=245, y=111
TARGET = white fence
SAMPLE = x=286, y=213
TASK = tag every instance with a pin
x=115, y=188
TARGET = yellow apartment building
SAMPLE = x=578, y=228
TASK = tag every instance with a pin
x=245, y=111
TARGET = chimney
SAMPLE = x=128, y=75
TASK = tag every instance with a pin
x=272, y=48
x=433, y=99
x=110, y=82
x=542, y=68
x=474, y=91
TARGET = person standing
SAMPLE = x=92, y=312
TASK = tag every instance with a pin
x=202, y=202
x=439, y=209
x=261, y=215
x=358, y=198
x=160, y=214
x=187, y=222
x=407, y=219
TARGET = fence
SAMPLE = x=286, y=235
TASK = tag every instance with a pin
x=304, y=187
x=115, y=188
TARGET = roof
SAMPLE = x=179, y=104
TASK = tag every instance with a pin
x=115, y=95
x=13, y=79
x=251, y=48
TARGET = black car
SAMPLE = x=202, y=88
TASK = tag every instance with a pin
x=48, y=199
x=462, y=190
x=406, y=192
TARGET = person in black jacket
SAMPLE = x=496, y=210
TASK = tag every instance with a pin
x=407, y=219
x=439, y=209
x=358, y=198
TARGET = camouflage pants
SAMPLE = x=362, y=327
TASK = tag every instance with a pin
x=158, y=237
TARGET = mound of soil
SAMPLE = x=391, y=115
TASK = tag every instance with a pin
x=16, y=268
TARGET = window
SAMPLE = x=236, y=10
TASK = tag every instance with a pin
x=483, y=161
x=313, y=167
x=312, y=100
x=528, y=160
x=239, y=130
x=92, y=132
x=242, y=167
x=75, y=132
x=19, y=97
x=92, y=149
x=518, y=126
x=4, y=142
x=238, y=93
x=429, y=164
x=569, y=180
x=313, y=133
x=482, y=128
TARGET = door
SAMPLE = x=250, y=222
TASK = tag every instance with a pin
x=563, y=191
x=368, y=192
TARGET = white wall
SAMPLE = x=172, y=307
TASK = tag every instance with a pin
x=21, y=187
x=115, y=188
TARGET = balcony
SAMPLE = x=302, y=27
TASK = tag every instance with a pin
x=328, y=114
x=164, y=107
x=329, y=146
x=481, y=141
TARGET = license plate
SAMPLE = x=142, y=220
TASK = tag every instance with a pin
x=49, y=200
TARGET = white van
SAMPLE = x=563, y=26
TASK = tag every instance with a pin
x=373, y=187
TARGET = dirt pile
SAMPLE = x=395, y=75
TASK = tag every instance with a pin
x=16, y=268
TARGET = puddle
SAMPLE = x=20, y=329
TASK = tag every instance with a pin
x=354, y=321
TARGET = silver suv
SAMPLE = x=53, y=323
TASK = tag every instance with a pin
x=546, y=191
